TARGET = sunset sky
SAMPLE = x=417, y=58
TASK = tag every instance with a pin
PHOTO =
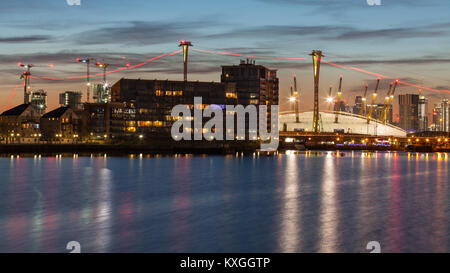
x=404, y=39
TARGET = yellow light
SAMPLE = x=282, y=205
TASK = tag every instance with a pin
x=417, y=140
x=292, y=99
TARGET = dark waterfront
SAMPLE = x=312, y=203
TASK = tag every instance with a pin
x=309, y=202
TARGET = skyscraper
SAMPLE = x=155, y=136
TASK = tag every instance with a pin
x=437, y=116
x=409, y=111
x=423, y=114
x=445, y=119
x=358, y=105
x=71, y=99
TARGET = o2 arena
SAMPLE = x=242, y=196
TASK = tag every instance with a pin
x=347, y=123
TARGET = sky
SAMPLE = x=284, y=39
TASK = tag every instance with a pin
x=401, y=39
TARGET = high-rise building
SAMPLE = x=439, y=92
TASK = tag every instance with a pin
x=255, y=84
x=445, y=119
x=358, y=105
x=437, y=117
x=102, y=93
x=71, y=99
x=409, y=111
x=423, y=114
x=38, y=100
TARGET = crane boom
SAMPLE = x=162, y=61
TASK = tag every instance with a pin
x=374, y=97
x=338, y=101
x=386, y=102
x=391, y=100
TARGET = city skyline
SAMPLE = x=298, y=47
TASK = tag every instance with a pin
x=383, y=45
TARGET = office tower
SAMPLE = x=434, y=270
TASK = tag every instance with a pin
x=71, y=99
x=409, y=112
x=423, y=114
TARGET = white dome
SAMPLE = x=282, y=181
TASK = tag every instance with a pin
x=350, y=123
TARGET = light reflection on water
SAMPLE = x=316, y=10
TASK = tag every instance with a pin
x=306, y=202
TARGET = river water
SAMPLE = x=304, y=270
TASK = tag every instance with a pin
x=307, y=202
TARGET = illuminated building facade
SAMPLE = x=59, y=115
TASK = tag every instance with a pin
x=423, y=114
x=255, y=84
x=437, y=117
x=409, y=112
x=60, y=125
x=71, y=99
x=38, y=100
x=20, y=125
x=445, y=116
x=154, y=100
x=102, y=93
x=106, y=121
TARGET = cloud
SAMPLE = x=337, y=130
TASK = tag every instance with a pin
x=392, y=33
x=25, y=39
x=141, y=33
x=276, y=31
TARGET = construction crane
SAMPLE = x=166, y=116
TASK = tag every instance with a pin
x=363, y=111
x=391, y=100
x=330, y=98
x=386, y=102
x=26, y=77
x=104, y=67
x=87, y=61
x=337, y=108
x=374, y=97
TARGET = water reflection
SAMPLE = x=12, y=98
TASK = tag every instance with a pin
x=328, y=213
x=301, y=201
x=290, y=214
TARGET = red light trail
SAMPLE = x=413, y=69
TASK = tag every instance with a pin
x=128, y=66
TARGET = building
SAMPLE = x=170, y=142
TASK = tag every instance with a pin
x=358, y=105
x=255, y=84
x=154, y=100
x=437, y=117
x=102, y=93
x=423, y=114
x=60, y=125
x=348, y=123
x=409, y=112
x=445, y=118
x=20, y=125
x=106, y=121
x=71, y=99
x=39, y=100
